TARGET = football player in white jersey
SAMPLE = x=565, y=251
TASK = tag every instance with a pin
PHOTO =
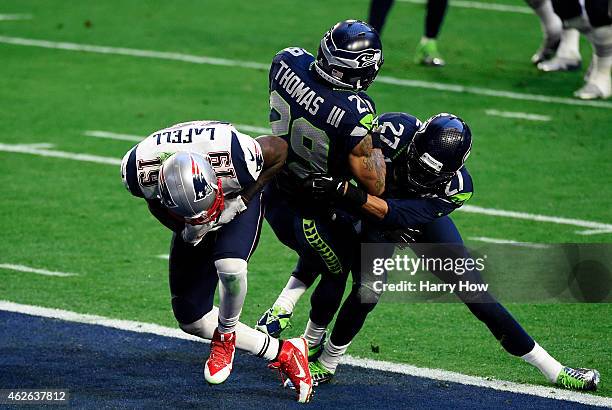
x=203, y=180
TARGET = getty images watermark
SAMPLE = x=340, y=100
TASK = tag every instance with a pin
x=411, y=265
x=546, y=273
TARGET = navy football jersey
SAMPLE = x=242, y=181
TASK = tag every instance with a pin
x=409, y=208
x=322, y=125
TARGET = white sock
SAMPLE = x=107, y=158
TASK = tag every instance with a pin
x=547, y=364
x=569, y=47
x=247, y=339
x=551, y=23
x=331, y=355
x=232, y=291
x=601, y=40
x=292, y=292
x=255, y=342
x=313, y=333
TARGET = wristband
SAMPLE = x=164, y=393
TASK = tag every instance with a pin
x=355, y=196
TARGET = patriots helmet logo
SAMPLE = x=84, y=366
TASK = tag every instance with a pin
x=258, y=158
x=201, y=187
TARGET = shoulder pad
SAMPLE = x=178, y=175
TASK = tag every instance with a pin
x=459, y=189
x=360, y=119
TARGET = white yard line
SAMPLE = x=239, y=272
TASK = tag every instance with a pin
x=509, y=242
x=22, y=268
x=456, y=88
x=593, y=227
x=12, y=17
x=189, y=58
x=435, y=374
x=518, y=115
x=480, y=6
x=113, y=135
x=28, y=149
x=163, y=256
x=251, y=128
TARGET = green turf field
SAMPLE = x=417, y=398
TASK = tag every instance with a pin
x=75, y=216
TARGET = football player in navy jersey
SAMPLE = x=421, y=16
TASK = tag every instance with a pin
x=319, y=106
x=427, y=180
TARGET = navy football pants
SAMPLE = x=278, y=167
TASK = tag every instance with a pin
x=326, y=246
x=193, y=276
x=500, y=322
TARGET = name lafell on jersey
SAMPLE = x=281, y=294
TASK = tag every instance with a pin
x=297, y=90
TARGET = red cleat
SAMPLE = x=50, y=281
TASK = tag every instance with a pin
x=292, y=362
x=219, y=364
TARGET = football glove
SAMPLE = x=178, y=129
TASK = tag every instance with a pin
x=402, y=237
x=193, y=234
x=232, y=208
x=327, y=188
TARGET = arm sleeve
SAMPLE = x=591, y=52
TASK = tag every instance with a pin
x=413, y=212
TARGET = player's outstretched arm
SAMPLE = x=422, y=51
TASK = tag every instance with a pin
x=368, y=165
x=376, y=207
x=274, y=150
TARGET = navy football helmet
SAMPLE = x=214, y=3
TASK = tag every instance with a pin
x=350, y=55
x=438, y=150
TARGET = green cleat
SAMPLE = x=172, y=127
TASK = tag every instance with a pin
x=318, y=372
x=427, y=54
x=274, y=321
x=315, y=351
x=577, y=379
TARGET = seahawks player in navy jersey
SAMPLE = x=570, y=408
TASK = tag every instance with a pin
x=426, y=181
x=320, y=108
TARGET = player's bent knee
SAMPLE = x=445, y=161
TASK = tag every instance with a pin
x=203, y=327
x=231, y=266
x=232, y=273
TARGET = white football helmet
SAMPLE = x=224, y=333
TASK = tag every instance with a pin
x=190, y=189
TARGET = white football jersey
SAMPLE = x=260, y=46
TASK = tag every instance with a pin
x=236, y=158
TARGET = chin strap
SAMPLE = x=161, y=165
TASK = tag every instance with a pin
x=333, y=80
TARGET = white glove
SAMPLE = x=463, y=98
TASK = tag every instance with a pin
x=233, y=207
x=193, y=234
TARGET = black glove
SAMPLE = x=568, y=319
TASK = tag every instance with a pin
x=326, y=188
x=403, y=236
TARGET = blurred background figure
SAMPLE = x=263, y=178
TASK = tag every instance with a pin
x=427, y=50
x=589, y=17
x=559, y=50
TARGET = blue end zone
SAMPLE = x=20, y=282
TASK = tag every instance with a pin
x=105, y=367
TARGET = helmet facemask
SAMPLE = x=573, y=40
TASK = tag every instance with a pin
x=212, y=213
x=421, y=170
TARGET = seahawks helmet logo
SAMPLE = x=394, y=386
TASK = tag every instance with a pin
x=368, y=59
